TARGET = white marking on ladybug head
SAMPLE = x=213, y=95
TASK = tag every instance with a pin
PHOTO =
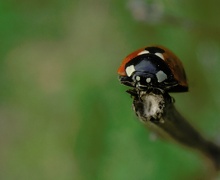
x=159, y=55
x=129, y=70
x=143, y=52
x=161, y=76
x=138, y=78
x=148, y=80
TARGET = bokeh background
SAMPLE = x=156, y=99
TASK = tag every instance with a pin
x=63, y=113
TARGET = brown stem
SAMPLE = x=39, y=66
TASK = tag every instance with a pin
x=157, y=111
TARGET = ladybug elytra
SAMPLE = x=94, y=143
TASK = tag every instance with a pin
x=153, y=67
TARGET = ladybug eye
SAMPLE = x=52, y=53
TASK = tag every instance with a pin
x=148, y=80
x=138, y=78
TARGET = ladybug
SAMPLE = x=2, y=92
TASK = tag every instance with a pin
x=153, y=67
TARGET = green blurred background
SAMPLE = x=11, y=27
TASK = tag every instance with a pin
x=63, y=113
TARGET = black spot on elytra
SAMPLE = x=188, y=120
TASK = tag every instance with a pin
x=154, y=50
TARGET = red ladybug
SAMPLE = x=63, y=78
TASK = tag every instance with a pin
x=153, y=67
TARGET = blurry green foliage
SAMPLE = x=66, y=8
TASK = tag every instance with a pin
x=63, y=113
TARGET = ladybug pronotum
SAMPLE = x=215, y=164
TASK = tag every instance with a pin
x=153, y=67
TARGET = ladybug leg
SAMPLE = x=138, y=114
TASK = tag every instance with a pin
x=135, y=94
x=132, y=92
